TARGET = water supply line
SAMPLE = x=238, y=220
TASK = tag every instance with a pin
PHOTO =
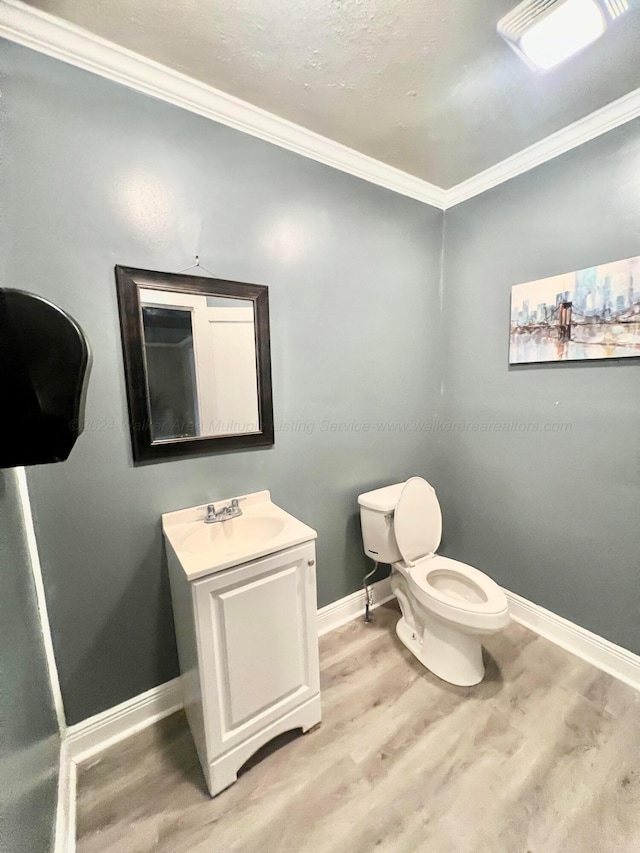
x=368, y=591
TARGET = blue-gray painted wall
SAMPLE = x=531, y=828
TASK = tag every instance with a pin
x=94, y=175
x=552, y=515
x=29, y=737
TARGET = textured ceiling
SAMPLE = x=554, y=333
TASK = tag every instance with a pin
x=423, y=85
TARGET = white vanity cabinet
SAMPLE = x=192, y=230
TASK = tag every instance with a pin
x=248, y=649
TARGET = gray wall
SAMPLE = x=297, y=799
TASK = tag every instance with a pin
x=553, y=516
x=95, y=175
x=29, y=738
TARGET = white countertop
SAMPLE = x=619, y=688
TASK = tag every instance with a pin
x=204, y=549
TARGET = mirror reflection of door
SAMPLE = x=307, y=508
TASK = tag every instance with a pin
x=171, y=375
x=230, y=352
x=201, y=365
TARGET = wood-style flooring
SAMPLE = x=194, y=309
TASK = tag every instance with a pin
x=543, y=756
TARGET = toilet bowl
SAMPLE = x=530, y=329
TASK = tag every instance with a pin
x=447, y=606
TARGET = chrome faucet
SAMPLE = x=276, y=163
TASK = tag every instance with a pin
x=214, y=515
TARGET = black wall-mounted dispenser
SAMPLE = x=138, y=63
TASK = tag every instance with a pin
x=44, y=361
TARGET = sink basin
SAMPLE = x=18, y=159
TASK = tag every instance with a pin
x=233, y=534
x=263, y=528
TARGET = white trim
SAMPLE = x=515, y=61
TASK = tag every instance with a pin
x=96, y=733
x=62, y=40
x=603, y=654
x=607, y=118
x=66, y=817
x=58, y=38
x=65, y=809
x=340, y=612
x=91, y=736
x=36, y=571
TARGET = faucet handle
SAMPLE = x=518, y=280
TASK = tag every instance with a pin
x=211, y=511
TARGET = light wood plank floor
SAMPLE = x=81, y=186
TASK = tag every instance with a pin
x=543, y=756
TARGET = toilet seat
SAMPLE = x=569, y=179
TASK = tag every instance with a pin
x=440, y=585
x=454, y=591
x=457, y=585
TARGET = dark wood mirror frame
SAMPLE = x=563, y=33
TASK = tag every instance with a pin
x=129, y=281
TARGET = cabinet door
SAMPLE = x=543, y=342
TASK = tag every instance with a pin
x=258, y=644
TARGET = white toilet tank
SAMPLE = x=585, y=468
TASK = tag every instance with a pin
x=376, y=516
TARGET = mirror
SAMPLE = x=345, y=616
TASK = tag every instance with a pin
x=197, y=363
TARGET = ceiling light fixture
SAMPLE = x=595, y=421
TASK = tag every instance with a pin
x=546, y=32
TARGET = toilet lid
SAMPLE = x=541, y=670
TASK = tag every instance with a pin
x=417, y=520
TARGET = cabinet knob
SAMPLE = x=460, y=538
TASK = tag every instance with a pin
x=311, y=562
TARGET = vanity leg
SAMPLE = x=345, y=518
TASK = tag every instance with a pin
x=309, y=716
x=222, y=774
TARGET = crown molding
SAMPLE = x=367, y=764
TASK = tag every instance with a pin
x=57, y=38
x=61, y=40
x=595, y=124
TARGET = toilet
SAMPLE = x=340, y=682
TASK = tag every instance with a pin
x=447, y=606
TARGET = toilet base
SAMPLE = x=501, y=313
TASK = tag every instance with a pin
x=450, y=654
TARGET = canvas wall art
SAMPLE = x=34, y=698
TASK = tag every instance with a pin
x=588, y=314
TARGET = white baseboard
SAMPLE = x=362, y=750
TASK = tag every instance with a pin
x=94, y=734
x=603, y=654
x=91, y=736
x=351, y=606
x=97, y=733
x=115, y=724
x=66, y=815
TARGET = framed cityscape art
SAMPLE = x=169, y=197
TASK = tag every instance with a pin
x=588, y=314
